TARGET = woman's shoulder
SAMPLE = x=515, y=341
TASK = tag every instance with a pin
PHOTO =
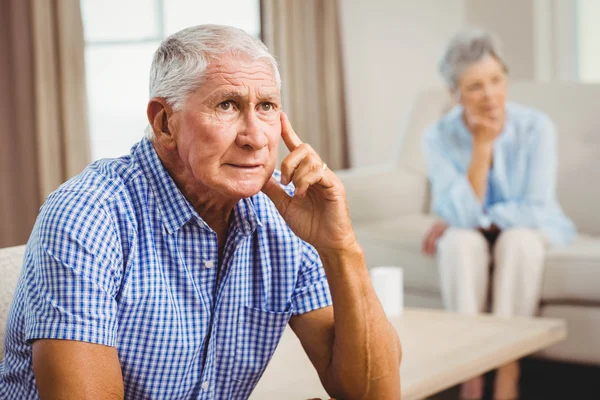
x=529, y=123
x=526, y=117
x=448, y=123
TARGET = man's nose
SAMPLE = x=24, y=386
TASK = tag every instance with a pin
x=251, y=134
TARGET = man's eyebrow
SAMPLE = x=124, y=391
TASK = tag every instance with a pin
x=226, y=95
x=237, y=96
x=271, y=97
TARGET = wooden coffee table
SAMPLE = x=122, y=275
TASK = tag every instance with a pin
x=440, y=350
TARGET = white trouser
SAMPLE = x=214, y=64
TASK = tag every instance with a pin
x=464, y=263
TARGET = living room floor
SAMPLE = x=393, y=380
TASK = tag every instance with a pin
x=547, y=380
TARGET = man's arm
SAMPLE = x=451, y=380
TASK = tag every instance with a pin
x=359, y=356
x=67, y=369
x=70, y=312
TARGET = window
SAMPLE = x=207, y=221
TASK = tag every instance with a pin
x=588, y=40
x=120, y=39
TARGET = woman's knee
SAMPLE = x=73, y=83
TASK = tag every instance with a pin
x=520, y=239
x=463, y=239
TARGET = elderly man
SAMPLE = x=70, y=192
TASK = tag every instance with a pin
x=171, y=273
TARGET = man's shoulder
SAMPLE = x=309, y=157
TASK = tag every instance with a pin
x=105, y=179
x=100, y=190
x=102, y=179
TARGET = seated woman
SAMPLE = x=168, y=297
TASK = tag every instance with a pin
x=492, y=166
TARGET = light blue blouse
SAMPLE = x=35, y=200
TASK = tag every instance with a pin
x=521, y=183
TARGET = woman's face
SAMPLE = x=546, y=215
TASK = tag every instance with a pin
x=482, y=88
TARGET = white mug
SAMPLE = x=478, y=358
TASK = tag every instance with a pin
x=388, y=283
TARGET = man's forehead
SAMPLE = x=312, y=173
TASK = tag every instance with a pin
x=232, y=67
x=237, y=76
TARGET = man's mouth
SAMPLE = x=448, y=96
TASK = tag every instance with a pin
x=245, y=166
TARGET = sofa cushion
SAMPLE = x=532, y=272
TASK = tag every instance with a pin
x=571, y=272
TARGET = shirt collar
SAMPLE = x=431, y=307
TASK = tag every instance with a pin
x=245, y=216
x=174, y=208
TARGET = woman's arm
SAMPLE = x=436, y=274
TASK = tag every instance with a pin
x=453, y=196
x=479, y=168
x=485, y=131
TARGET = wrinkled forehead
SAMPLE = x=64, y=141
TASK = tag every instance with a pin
x=240, y=76
x=239, y=67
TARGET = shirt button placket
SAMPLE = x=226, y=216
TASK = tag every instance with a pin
x=206, y=389
x=209, y=264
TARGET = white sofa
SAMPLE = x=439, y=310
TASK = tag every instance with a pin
x=390, y=209
x=11, y=259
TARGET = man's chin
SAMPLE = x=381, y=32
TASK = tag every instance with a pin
x=248, y=188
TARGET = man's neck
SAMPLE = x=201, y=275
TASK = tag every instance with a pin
x=214, y=209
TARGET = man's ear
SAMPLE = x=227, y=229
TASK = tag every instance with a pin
x=158, y=112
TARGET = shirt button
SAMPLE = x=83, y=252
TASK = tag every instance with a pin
x=209, y=264
x=205, y=385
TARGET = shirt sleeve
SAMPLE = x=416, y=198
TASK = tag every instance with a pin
x=74, y=271
x=312, y=288
x=533, y=208
x=452, y=194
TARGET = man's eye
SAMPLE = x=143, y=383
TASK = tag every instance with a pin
x=267, y=106
x=226, y=105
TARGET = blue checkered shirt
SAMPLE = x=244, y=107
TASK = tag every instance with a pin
x=120, y=258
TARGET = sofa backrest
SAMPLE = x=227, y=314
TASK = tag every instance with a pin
x=574, y=107
x=11, y=259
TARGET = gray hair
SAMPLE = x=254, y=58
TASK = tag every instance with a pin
x=465, y=48
x=181, y=60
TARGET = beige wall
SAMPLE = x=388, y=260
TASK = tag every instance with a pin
x=513, y=22
x=391, y=48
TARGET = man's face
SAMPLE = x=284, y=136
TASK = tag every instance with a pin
x=228, y=132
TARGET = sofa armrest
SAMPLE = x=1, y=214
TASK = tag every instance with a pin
x=380, y=192
x=11, y=259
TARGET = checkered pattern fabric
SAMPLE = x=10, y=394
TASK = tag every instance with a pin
x=119, y=257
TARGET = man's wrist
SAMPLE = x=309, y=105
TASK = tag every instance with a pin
x=351, y=247
x=331, y=256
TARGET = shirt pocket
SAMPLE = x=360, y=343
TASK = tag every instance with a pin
x=258, y=333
